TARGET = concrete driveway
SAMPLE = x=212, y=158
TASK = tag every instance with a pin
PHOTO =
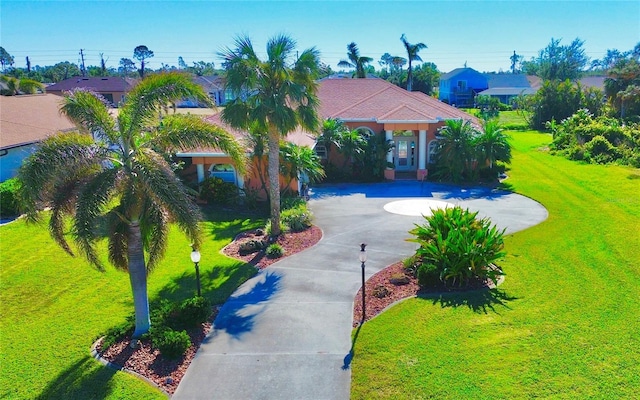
x=286, y=333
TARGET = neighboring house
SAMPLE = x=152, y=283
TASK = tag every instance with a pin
x=460, y=86
x=24, y=121
x=409, y=119
x=596, y=82
x=506, y=87
x=112, y=88
x=212, y=85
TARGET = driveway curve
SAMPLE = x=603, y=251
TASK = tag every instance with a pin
x=286, y=333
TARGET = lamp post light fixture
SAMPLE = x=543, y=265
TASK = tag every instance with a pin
x=363, y=259
x=195, y=257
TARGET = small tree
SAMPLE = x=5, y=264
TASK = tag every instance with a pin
x=355, y=60
x=142, y=53
x=297, y=161
x=5, y=59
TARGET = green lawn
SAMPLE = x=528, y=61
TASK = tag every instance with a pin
x=54, y=306
x=565, y=323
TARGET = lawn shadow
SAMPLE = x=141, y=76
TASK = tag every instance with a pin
x=84, y=379
x=346, y=362
x=479, y=301
x=184, y=285
x=237, y=315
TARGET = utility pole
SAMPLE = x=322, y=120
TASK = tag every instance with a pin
x=84, y=71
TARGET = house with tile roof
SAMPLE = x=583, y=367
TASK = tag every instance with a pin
x=24, y=121
x=112, y=88
x=408, y=119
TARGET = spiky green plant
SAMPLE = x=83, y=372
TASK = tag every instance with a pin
x=119, y=185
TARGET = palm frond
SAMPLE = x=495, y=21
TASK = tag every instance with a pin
x=90, y=204
x=184, y=132
x=89, y=111
x=56, y=158
x=61, y=206
x=118, y=232
x=158, y=181
x=154, y=227
x=154, y=92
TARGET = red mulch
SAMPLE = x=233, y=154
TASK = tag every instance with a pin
x=167, y=374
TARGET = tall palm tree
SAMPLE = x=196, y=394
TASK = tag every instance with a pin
x=455, y=149
x=299, y=160
x=492, y=145
x=355, y=60
x=412, y=55
x=278, y=95
x=121, y=186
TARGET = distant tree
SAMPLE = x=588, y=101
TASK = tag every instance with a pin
x=6, y=59
x=426, y=77
x=103, y=64
x=279, y=96
x=385, y=61
x=516, y=60
x=558, y=62
x=412, y=55
x=355, y=60
x=622, y=85
x=203, y=68
x=181, y=64
x=61, y=71
x=126, y=67
x=325, y=70
x=28, y=64
x=142, y=53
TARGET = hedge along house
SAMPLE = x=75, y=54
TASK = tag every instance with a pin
x=374, y=106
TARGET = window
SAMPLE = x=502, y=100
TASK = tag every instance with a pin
x=462, y=85
x=226, y=172
x=433, y=149
x=321, y=151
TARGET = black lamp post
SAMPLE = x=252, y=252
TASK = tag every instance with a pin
x=195, y=257
x=363, y=258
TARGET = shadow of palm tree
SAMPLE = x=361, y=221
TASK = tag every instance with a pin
x=479, y=301
x=237, y=316
x=84, y=379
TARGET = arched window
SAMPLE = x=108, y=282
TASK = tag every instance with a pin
x=433, y=149
x=365, y=131
x=226, y=172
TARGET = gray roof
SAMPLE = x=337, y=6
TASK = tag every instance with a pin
x=507, y=80
x=455, y=72
x=507, y=91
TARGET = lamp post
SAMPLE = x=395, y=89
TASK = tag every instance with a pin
x=363, y=258
x=195, y=257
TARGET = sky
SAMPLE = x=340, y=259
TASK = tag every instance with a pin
x=482, y=34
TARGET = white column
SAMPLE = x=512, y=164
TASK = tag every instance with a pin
x=422, y=149
x=200, y=170
x=389, y=136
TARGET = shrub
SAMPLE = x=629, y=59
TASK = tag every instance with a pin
x=172, y=344
x=9, y=197
x=297, y=219
x=193, y=312
x=217, y=191
x=267, y=227
x=275, y=251
x=288, y=203
x=457, y=248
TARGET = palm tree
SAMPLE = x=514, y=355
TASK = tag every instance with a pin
x=121, y=186
x=455, y=149
x=412, y=54
x=330, y=135
x=355, y=60
x=492, y=145
x=352, y=144
x=299, y=160
x=276, y=95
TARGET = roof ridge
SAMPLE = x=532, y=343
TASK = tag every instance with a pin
x=401, y=106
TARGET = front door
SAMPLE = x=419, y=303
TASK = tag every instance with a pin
x=405, y=153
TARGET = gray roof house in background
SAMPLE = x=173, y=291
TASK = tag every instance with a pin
x=506, y=87
x=112, y=88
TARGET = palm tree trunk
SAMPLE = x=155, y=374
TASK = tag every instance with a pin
x=274, y=180
x=138, y=278
x=409, y=76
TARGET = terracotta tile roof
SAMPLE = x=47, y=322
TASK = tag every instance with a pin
x=99, y=84
x=378, y=100
x=30, y=118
